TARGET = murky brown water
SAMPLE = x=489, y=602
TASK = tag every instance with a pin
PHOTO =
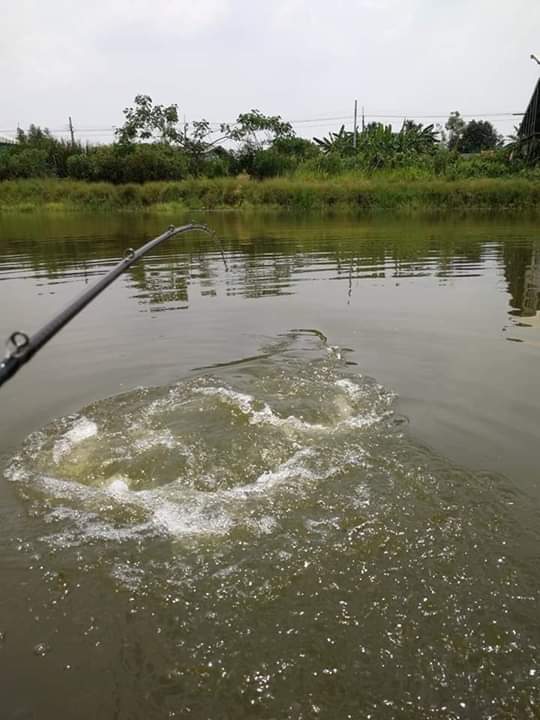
x=301, y=482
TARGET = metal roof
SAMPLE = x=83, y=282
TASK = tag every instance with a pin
x=530, y=125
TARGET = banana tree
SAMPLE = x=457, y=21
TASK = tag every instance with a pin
x=341, y=142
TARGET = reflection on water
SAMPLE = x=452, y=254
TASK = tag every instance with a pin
x=260, y=264
x=267, y=536
x=531, y=293
x=522, y=272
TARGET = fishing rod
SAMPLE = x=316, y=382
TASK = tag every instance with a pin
x=22, y=347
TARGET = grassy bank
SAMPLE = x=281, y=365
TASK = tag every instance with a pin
x=377, y=193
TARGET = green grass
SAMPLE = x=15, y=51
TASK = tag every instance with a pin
x=347, y=191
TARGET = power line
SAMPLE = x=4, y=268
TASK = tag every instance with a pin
x=318, y=119
x=313, y=122
x=435, y=115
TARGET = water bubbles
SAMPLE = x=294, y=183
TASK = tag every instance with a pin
x=81, y=429
x=203, y=457
x=41, y=649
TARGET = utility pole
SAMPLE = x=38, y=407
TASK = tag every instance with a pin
x=363, y=120
x=355, y=123
x=71, y=132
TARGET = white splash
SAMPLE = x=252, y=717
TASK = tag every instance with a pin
x=82, y=429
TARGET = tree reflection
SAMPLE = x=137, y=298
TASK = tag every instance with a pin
x=161, y=285
x=269, y=254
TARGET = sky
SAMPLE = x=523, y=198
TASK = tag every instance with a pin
x=302, y=59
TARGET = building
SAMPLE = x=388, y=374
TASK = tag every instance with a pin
x=529, y=130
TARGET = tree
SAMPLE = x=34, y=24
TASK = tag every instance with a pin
x=56, y=152
x=378, y=145
x=455, y=126
x=478, y=135
x=35, y=136
x=471, y=137
x=257, y=130
x=159, y=123
x=417, y=138
x=341, y=142
x=146, y=121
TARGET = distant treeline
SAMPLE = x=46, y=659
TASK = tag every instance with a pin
x=152, y=145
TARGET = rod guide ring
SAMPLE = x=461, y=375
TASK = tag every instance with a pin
x=16, y=343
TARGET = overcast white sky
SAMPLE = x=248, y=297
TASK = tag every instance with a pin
x=302, y=59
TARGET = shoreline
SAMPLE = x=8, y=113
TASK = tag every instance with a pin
x=325, y=194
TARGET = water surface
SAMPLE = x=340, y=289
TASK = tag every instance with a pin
x=292, y=476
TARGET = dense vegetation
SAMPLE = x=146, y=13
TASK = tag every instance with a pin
x=156, y=161
x=152, y=145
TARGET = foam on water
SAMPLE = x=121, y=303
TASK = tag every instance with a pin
x=245, y=403
x=82, y=429
x=206, y=455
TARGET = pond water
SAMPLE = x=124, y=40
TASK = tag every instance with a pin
x=293, y=474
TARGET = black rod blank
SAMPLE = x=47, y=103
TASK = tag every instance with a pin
x=25, y=347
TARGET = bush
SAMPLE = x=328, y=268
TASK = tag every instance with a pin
x=488, y=164
x=214, y=166
x=329, y=164
x=296, y=147
x=271, y=163
x=140, y=164
x=154, y=162
x=81, y=167
x=24, y=163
